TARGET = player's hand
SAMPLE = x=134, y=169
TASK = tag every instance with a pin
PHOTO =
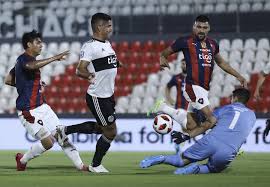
x=243, y=81
x=163, y=62
x=257, y=94
x=91, y=78
x=62, y=56
x=119, y=64
x=267, y=128
x=179, y=137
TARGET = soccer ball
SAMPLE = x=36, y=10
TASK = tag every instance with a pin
x=163, y=124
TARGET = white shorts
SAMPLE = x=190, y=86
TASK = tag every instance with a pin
x=41, y=118
x=196, y=96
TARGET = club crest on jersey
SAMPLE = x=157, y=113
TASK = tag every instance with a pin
x=110, y=118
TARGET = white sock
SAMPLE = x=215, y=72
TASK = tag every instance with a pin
x=179, y=115
x=72, y=153
x=36, y=150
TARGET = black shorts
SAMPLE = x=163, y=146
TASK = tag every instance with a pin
x=102, y=109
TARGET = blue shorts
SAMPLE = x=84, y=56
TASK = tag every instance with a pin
x=219, y=154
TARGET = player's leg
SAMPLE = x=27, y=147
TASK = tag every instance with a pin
x=210, y=118
x=88, y=127
x=72, y=153
x=198, y=100
x=51, y=121
x=193, y=168
x=192, y=121
x=173, y=160
x=179, y=115
x=104, y=112
x=36, y=150
x=33, y=123
x=103, y=144
x=222, y=158
x=201, y=150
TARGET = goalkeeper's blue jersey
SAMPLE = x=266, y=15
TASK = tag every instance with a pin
x=234, y=123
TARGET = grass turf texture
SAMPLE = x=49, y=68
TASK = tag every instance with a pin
x=55, y=170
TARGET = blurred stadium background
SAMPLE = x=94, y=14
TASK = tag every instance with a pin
x=142, y=28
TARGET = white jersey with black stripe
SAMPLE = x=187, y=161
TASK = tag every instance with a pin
x=103, y=63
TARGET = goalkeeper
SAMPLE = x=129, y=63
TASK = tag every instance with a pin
x=219, y=146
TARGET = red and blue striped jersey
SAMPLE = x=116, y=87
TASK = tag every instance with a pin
x=199, y=59
x=179, y=82
x=28, y=84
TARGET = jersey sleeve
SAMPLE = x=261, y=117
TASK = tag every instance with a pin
x=172, y=82
x=178, y=45
x=23, y=61
x=86, y=53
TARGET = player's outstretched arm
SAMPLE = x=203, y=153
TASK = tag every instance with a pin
x=10, y=78
x=227, y=68
x=259, y=85
x=34, y=65
x=163, y=59
x=82, y=71
x=200, y=129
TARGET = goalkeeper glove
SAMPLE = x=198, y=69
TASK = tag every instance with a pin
x=179, y=137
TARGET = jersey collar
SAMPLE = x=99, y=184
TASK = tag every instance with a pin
x=103, y=41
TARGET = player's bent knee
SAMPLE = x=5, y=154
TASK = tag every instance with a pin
x=110, y=132
x=47, y=143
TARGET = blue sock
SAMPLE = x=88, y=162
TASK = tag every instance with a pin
x=174, y=160
x=204, y=169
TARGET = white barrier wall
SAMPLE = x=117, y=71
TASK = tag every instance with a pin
x=138, y=132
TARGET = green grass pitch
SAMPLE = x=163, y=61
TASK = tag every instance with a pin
x=55, y=170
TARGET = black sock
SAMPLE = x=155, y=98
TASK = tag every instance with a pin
x=87, y=127
x=103, y=145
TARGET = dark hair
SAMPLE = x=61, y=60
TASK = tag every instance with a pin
x=30, y=37
x=202, y=18
x=99, y=17
x=242, y=94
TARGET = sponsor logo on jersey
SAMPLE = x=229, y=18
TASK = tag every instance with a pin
x=112, y=60
x=208, y=57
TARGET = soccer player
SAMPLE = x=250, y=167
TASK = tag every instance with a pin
x=200, y=52
x=180, y=104
x=220, y=146
x=262, y=76
x=98, y=64
x=177, y=81
x=36, y=116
